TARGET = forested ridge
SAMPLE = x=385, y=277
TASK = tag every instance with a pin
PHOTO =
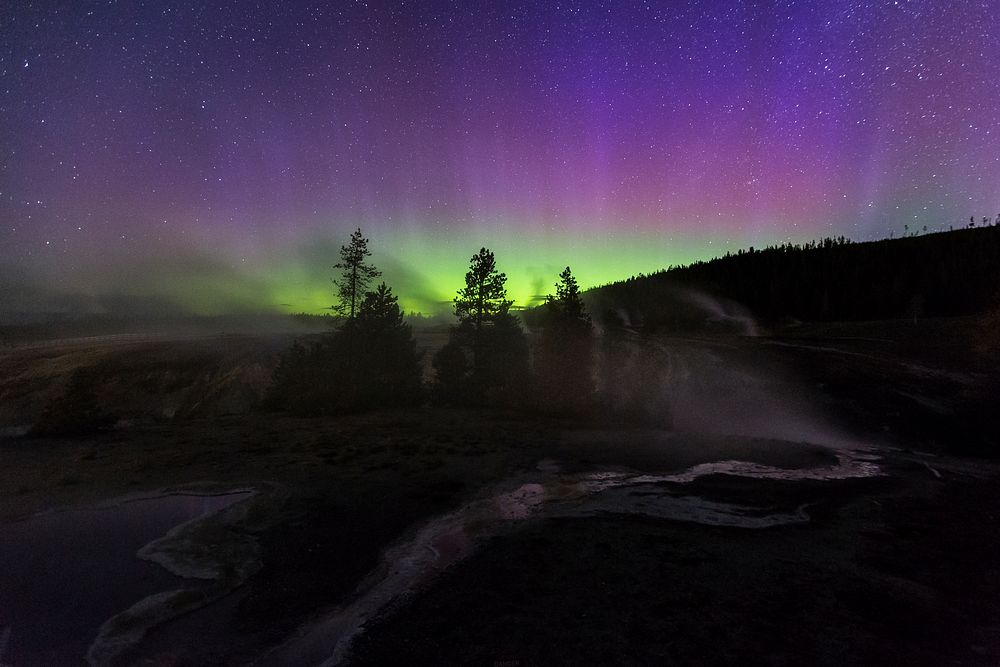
x=932, y=275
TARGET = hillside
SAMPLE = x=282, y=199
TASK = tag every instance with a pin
x=935, y=275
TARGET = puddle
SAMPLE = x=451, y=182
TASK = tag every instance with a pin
x=409, y=566
x=65, y=573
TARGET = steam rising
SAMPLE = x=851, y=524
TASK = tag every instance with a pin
x=700, y=382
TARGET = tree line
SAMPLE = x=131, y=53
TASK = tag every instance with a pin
x=935, y=275
x=371, y=359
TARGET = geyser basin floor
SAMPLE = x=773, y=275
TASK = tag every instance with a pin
x=410, y=566
x=66, y=572
x=889, y=569
x=562, y=590
x=892, y=570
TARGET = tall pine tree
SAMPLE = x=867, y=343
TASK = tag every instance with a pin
x=355, y=275
x=486, y=358
x=564, y=350
x=484, y=297
x=370, y=362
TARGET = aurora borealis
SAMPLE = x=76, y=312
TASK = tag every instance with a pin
x=213, y=156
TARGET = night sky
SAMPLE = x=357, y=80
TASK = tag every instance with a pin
x=213, y=156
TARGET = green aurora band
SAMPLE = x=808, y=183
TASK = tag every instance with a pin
x=424, y=269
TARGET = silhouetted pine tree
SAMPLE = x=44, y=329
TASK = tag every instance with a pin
x=486, y=358
x=484, y=297
x=452, y=367
x=564, y=350
x=378, y=360
x=356, y=275
x=369, y=362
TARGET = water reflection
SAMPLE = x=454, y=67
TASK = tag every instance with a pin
x=64, y=573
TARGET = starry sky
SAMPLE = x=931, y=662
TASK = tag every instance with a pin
x=212, y=156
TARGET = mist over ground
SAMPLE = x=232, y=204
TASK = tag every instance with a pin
x=499, y=333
